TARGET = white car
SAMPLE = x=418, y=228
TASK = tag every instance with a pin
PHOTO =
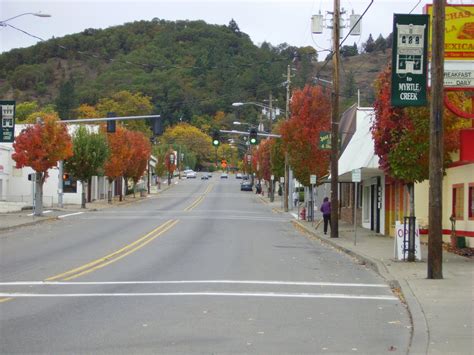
x=191, y=175
x=224, y=176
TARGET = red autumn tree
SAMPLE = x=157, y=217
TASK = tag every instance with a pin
x=41, y=146
x=310, y=114
x=401, y=137
x=141, y=151
x=120, y=149
x=263, y=159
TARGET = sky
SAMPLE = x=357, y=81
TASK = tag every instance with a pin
x=274, y=21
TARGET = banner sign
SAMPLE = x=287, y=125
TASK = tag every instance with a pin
x=409, y=60
x=7, y=121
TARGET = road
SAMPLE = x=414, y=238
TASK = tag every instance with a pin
x=201, y=268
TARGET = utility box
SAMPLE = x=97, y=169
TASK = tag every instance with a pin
x=317, y=24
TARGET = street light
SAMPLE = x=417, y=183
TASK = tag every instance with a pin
x=37, y=14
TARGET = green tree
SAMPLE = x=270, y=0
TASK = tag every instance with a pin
x=24, y=109
x=66, y=100
x=369, y=46
x=125, y=103
x=380, y=43
x=90, y=151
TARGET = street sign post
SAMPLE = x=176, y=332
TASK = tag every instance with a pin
x=409, y=60
x=7, y=121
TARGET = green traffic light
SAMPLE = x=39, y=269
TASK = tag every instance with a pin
x=253, y=141
x=215, y=142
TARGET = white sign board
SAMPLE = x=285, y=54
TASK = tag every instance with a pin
x=356, y=175
x=312, y=179
x=282, y=180
x=272, y=177
x=400, y=254
x=457, y=74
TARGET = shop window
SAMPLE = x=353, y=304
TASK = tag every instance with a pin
x=471, y=201
x=458, y=201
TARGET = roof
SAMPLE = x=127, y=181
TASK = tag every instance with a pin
x=359, y=152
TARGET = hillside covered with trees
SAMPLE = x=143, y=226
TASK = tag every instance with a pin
x=189, y=69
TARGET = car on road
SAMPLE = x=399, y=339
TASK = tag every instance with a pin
x=209, y=175
x=204, y=177
x=238, y=176
x=191, y=175
x=224, y=176
x=246, y=186
x=245, y=177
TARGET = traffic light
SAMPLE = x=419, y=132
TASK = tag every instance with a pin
x=253, y=136
x=110, y=124
x=65, y=176
x=215, y=139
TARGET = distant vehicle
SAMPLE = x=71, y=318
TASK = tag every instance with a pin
x=246, y=186
x=209, y=175
x=224, y=176
x=191, y=175
x=204, y=177
x=245, y=177
x=238, y=176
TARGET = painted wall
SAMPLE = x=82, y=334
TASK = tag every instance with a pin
x=464, y=175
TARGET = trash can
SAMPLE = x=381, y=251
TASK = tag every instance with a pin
x=461, y=242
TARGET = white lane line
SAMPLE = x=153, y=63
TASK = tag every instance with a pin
x=241, y=282
x=44, y=212
x=70, y=214
x=221, y=294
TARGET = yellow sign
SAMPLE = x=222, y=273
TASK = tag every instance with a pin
x=459, y=31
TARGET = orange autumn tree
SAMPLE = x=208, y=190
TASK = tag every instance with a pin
x=41, y=146
x=121, y=152
x=310, y=114
x=141, y=151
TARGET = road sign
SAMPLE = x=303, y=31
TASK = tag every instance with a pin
x=409, y=60
x=282, y=179
x=356, y=175
x=7, y=121
x=325, y=140
x=312, y=179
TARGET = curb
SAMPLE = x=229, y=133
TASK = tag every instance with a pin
x=27, y=224
x=419, y=333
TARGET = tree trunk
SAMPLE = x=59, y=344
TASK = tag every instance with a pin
x=84, y=189
x=39, y=194
x=109, y=192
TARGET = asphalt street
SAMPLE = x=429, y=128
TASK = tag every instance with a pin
x=201, y=268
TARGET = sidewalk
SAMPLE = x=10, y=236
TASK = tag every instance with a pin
x=441, y=310
x=11, y=220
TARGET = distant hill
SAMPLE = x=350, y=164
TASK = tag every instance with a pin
x=187, y=67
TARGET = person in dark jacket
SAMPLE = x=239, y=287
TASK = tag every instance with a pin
x=326, y=210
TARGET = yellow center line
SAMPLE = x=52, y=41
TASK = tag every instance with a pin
x=116, y=255
x=5, y=299
x=199, y=199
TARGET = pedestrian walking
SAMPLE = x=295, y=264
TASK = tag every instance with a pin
x=326, y=210
x=296, y=198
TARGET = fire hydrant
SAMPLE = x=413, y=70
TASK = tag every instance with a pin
x=303, y=214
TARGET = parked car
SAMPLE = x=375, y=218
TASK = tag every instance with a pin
x=238, y=176
x=246, y=186
x=245, y=177
x=191, y=175
x=224, y=176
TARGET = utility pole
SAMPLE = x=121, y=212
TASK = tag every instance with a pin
x=287, y=165
x=272, y=192
x=435, y=250
x=335, y=123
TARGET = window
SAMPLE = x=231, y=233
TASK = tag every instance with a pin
x=458, y=201
x=470, y=206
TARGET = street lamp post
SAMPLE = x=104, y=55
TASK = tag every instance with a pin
x=37, y=14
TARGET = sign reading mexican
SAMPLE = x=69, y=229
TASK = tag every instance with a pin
x=458, y=32
x=7, y=121
x=409, y=60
